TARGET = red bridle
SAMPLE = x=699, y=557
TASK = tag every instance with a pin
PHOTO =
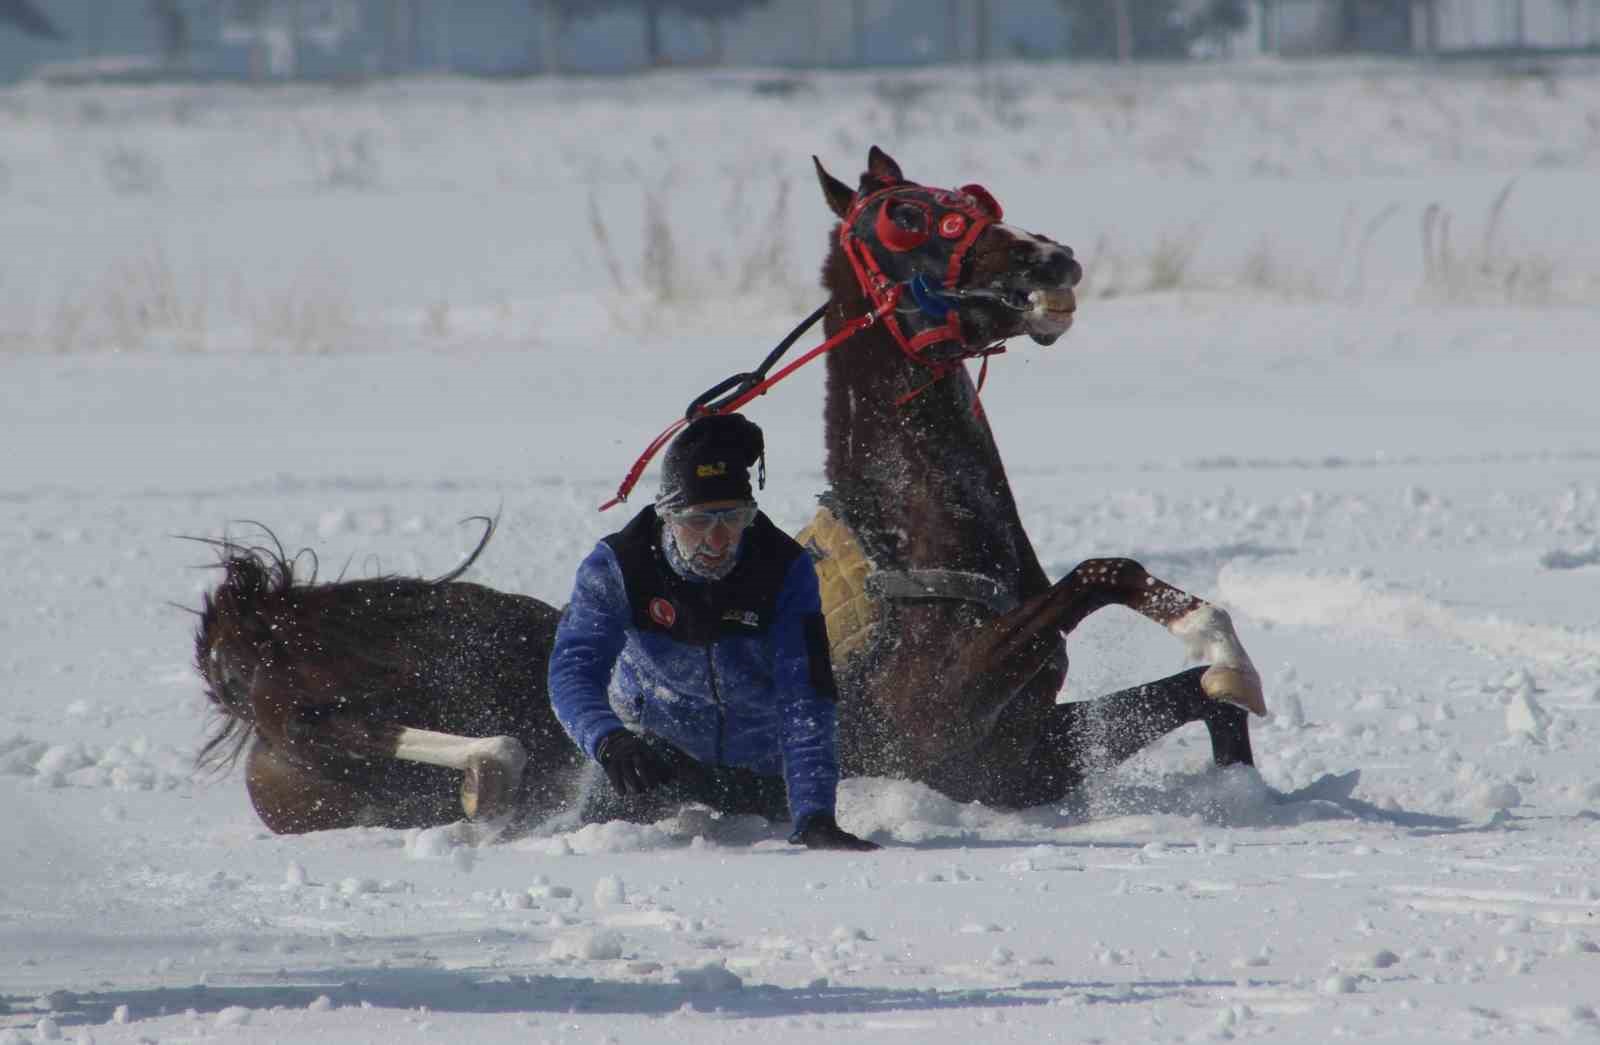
x=886, y=254
x=892, y=262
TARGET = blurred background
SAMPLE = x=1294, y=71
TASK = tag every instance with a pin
x=255, y=40
x=357, y=175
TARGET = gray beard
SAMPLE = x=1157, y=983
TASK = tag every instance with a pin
x=685, y=566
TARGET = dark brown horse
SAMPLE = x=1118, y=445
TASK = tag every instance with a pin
x=958, y=689
x=397, y=702
x=389, y=701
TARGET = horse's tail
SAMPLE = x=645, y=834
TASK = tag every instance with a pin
x=489, y=524
x=234, y=640
x=263, y=622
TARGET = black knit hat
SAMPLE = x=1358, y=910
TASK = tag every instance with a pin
x=710, y=461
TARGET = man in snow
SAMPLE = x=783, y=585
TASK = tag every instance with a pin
x=692, y=660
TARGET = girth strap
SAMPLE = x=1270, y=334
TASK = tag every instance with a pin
x=941, y=584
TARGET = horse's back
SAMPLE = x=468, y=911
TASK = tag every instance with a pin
x=444, y=655
x=480, y=659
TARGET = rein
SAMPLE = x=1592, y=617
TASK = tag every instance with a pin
x=749, y=386
x=704, y=404
x=929, y=318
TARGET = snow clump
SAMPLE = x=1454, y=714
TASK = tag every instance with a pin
x=587, y=945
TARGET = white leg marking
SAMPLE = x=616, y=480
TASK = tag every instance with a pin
x=453, y=752
x=1208, y=638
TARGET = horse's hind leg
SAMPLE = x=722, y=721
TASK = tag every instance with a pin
x=491, y=767
x=292, y=800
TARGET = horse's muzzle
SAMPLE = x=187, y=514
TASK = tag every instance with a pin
x=1049, y=314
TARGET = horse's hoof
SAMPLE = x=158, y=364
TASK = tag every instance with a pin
x=485, y=788
x=1235, y=686
x=491, y=777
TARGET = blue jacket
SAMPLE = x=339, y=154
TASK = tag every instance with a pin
x=733, y=672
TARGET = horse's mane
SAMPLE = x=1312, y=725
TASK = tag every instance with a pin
x=263, y=602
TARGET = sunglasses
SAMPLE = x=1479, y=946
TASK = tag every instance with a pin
x=701, y=520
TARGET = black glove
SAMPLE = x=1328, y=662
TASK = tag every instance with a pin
x=629, y=763
x=822, y=831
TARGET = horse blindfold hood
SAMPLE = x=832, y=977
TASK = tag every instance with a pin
x=915, y=237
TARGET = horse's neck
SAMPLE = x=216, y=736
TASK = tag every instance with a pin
x=884, y=410
x=920, y=477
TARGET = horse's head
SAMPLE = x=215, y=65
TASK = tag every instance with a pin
x=963, y=277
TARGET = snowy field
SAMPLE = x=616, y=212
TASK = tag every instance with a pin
x=1336, y=368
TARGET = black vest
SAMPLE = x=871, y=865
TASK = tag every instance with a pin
x=741, y=604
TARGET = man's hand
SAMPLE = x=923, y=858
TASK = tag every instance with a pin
x=629, y=763
x=822, y=831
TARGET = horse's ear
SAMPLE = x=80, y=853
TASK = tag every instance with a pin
x=837, y=193
x=882, y=166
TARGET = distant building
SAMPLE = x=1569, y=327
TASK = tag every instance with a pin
x=267, y=40
x=275, y=39
x=1320, y=27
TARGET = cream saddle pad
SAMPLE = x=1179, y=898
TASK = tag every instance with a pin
x=853, y=615
x=854, y=589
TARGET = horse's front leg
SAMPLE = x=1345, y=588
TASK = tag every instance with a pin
x=971, y=685
x=1065, y=744
x=1206, y=631
x=1013, y=646
x=491, y=766
x=972, y=679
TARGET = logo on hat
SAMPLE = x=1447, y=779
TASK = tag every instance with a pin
x=662, y=612
x=707, y=471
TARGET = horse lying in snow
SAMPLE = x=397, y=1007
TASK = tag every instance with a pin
x=398, y=702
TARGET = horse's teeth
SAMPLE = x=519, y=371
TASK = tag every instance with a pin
x=1053, y=300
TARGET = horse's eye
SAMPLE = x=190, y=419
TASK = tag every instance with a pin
x=908, y=217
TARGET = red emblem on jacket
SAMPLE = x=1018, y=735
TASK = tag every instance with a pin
x=662, y=612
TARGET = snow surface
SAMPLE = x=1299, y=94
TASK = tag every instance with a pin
x=360, y=316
